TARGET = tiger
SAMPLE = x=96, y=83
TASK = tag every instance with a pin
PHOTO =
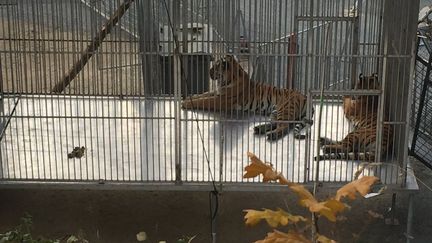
x=362, y=112
x=238, y=92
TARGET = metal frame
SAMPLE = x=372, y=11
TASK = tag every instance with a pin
x=100, y=99
x=422, y=81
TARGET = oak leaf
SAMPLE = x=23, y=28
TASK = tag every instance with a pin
x=281, y=237
x=328, y=208
x=257, y=167
x=273, y=218
x=361, y=186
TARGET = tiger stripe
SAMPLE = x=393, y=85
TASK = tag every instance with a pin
x=238, y=92
x=362, y=112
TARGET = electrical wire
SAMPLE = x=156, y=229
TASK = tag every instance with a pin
x=214, y=194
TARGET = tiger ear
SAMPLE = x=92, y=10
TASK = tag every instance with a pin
x=375, y=75
x=361, y=76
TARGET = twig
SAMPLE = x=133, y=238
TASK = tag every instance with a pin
x=92, y=47
x=315, y=229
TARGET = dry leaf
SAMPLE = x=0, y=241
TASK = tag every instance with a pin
x=273, y=218
x=303, y=193
x=361, y=186
x=323, y=239
x=328, y=208
x=257, y=167
x=281, y=237
x=331, y=208
x=375, y=215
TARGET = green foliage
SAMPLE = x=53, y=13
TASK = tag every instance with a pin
x=22, y=234
x=186, y=239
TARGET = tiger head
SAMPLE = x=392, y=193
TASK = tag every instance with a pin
x=367, y=82
x=360, y=105
x=226, y=70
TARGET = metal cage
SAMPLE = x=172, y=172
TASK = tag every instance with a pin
x=420, y=110
x=109, y=76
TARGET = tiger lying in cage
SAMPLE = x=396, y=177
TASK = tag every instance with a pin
x=362, y=112
x=238, y=92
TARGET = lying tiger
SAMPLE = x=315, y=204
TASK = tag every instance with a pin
x=362, y=112
x=238, y=92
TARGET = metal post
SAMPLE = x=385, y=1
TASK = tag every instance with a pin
x=177, y=94
x=409, y=102
x=214, y=212
x=148, y=45
x=356, y=40
x=2, y=117
x=392, y=220
x=410, y=217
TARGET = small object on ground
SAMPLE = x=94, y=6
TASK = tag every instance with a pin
x=80, y=152
x=141, y=236
x=77, y=152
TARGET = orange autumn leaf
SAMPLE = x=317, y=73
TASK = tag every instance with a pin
x=328, y=208
x=334, y=207
x=281, y=237
x=273, y=218
x=257, y=167
x=323, y=239
x=361, y=186
x=302, y=192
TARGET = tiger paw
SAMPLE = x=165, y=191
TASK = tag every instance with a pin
x=262, y=129
x=273, y=136
x=324, y=141
x=327, y=149
x=258, y=130
x=334, y=149
x=308, y=121
x=299, y=136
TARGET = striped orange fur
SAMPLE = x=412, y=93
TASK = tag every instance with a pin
x=238, y=92
x=362, y=112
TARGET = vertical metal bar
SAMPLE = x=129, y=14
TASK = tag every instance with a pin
x=177, y=95
x=381, y=100
x=410, y=217
x=355, y=41
x=2, y=119
x=409, y=103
